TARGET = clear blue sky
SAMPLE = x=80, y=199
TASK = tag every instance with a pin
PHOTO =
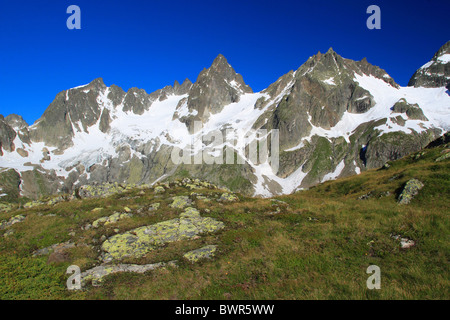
x=150, y=43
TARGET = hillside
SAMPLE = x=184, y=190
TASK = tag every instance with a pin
x=312, y=244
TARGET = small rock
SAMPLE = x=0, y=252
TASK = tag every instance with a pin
x=419, y=155
x=159, y=189
x=365, y=196
x=58, y=257
x=385, y=166
x=180, y=202
x=11, y=221
x=228, y=197
x=202, y=253
x=445, y=156
x=405, y=243
x=8, y=233
x=154, y=206
x=53, y=248
x=384, y=194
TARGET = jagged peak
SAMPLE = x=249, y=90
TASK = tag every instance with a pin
x=220, y=66
x=443, y=50
x=94, y=84
x=98, y=80
x=186, y=82
x=219, y=61
x=136, y=90
x=97, y=83
x=220, y=69
x=331, y=63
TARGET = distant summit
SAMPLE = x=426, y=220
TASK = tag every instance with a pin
x=435, y=73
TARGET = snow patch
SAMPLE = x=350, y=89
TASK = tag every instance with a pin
x=444, y=59
x=333, y=175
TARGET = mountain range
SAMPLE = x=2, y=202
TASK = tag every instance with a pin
x=335, y=118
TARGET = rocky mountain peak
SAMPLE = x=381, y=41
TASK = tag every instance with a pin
x=183, y=88
x=219, y=71
x=220, y=62
x=72, y=110
x=445, y=49
x=16, y=121
x=98, y=83
x=216, y=87
x=435, y=73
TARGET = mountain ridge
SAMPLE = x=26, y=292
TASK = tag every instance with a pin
x=336, y=117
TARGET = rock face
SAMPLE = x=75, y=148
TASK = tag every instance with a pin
x=335, y=117
x=412, y=111
x=7, y=136
x=72, y=110
x=435, y=73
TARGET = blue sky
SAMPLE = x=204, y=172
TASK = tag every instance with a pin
x=150, y=43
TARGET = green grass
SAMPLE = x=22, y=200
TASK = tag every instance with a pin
x=317, y=248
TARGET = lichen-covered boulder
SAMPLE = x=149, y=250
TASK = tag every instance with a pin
x=56, y=200
x=103, y=190
x=138, y=242
x=410, y=190
x=5, y=207
x=445, y=156
x=97, y=274
x=111, y=219
x=33, y=204
x=11, y=221
x=228, y=197
x=201, y=253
